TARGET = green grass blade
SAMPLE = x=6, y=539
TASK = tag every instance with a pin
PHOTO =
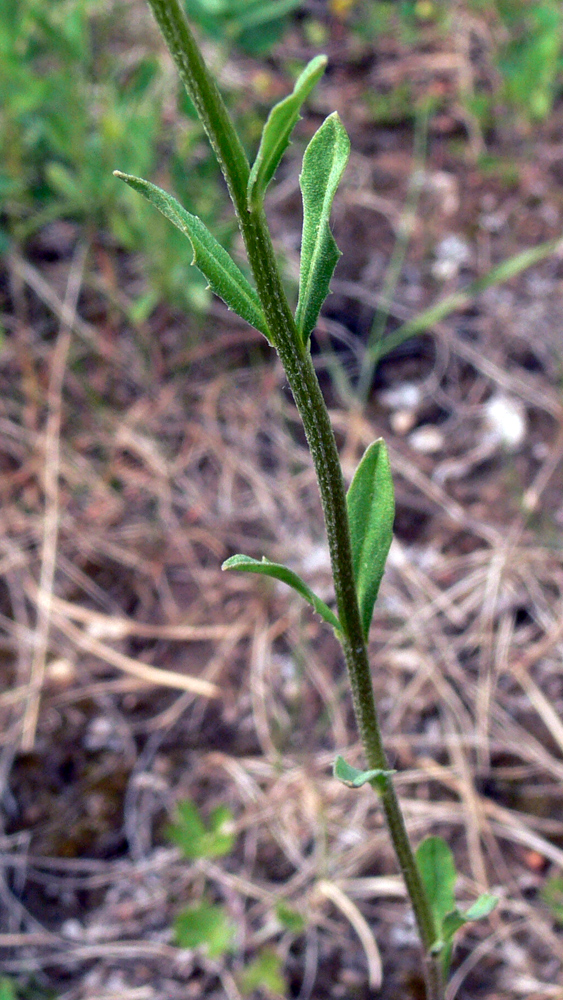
x=260, y=14
x=371, y=512
x=223, y=275
x=277, y=131
x=324, y=162
x=247, y=564
x=459, y=300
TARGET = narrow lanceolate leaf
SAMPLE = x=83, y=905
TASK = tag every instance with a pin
x=371, y=511
x=223, y=275
x=325, y=158
x=247, y=564
x=277, y=131
x=355, y=778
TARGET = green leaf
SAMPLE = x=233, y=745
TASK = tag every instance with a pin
x=277, y=131
x=264, y=973
x=451, y=923
x=456, y=919
x=437, y=868
x=325, y=158
x=7, y=989
x=355, y=778
x=207, y=926
x=223, y=275
x=195, y=839
x=291, y=919
x=371, y=511
x=246, y=564
x=481, y=908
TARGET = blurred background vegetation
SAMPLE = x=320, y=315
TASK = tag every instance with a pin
x=83, y=93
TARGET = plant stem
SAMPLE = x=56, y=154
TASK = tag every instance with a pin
x=316, y=422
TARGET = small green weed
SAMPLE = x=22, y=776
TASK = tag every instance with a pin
x=204, y=925
x=207, y=926
x=359, y=523
x=197, y=840
x=265, y=974
x=291, y=919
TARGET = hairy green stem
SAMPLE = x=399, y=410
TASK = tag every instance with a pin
x=316, y=422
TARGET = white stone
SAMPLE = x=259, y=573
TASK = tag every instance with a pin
x=427, y=439
x=451, y=254
x=72, y=930
x=402, y=421
x=60, y=671
x=405, y=396
x=505, y=421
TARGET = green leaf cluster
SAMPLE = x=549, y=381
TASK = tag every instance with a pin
x=530, y=57
x=324, y=162
x=197, y=840
x=437, y=868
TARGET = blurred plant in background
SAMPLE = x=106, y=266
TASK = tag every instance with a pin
x=71, y=110
x=524, y=51
x=254, y=25
x=68, y=115
x=528, y=52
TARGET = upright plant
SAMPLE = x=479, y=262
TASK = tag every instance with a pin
x=359, y=523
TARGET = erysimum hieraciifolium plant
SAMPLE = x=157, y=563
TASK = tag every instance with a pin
x=359, y=522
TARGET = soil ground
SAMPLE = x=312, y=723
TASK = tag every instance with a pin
x=135, y=460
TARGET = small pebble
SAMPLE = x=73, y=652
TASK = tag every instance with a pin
x=451, y=254
x=405, y=396
x=102, y=735
x=60, y=671
x=72, y=929
x=427, y=439
x=505, y=421
x=402, y=421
